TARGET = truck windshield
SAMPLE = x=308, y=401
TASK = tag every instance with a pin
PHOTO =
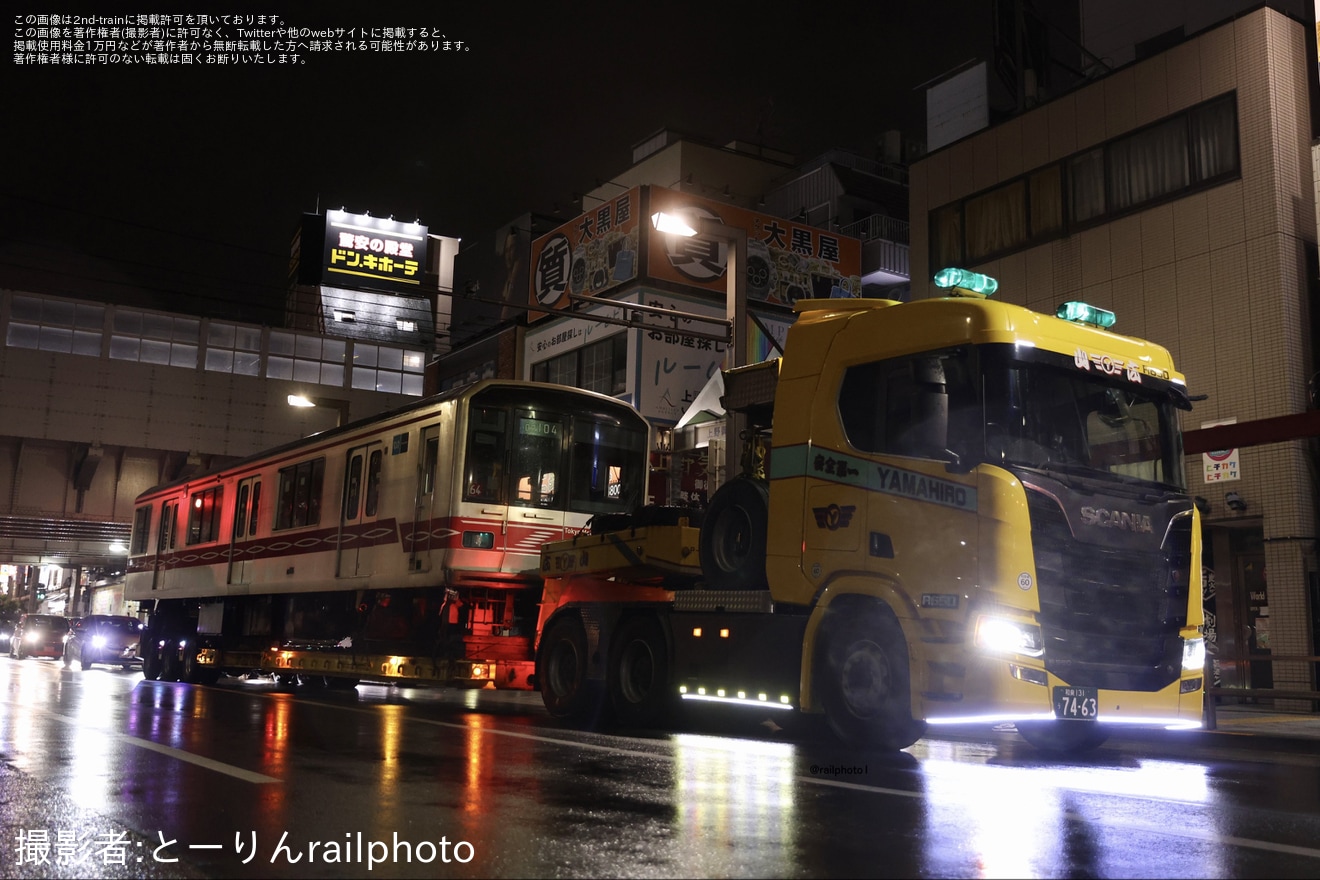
x=1046, y=412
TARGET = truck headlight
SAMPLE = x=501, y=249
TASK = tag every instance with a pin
x=1194, y=654
x=1003, y=635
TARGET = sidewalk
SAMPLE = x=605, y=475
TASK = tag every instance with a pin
x=1243, y=720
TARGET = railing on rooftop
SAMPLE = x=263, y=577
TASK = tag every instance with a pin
x=881, y=227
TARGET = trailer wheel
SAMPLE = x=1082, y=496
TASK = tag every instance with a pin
x=733, y=537
x=171, y=667
x=562, y=671
x=639, y=674
x=151, y=662
x=866, y=688
x=194, y=672
x=1064, y=737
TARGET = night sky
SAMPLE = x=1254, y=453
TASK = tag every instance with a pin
x=180, y=187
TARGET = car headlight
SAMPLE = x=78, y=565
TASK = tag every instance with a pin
x=32, y=638
x=1002, y=635
x=1194, y=654
x=98, y=641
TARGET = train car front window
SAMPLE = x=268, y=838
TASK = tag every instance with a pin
x=604, y=467
x=537, y=462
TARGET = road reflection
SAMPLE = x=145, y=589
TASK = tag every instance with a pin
x=732, y=796
x=1021, y=815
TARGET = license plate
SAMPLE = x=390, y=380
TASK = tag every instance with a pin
x=1078, y=703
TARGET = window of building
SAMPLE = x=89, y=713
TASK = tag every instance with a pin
x=232, y=348
x=204, y=516
x=601, y=366
x=152, y=338
x=304, y=358
x=300, y=495
x=385, y=368
x=1173, y=157
x=58, y=325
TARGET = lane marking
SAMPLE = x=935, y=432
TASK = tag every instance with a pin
x=178, y=754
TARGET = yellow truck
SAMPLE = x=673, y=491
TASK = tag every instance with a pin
x=953, y=511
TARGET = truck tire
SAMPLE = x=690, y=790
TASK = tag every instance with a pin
x=865, y=680
x=171, y=667
x=151, y=662
x=733, y=537
x=562, y=671
x=1064, y=737
x=639, y=674
x=194, y=672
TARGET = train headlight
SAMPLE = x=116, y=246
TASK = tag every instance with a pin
x=1194, y=654
x=1002, y=635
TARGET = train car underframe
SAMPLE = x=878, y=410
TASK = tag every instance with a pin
x=468, y=637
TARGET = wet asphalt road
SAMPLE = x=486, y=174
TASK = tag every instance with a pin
x=103, y=774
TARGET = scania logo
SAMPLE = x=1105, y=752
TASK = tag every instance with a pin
x=1115, y=519
x=833, y=517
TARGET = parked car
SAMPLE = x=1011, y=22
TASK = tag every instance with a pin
x=39, y=635
x=104, y=638
x=6, y=633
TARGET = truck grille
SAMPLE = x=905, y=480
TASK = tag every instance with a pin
x=1110, y=616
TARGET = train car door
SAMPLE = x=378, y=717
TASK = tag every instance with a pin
x=247, y=501
x=537, y=487
x=358, y=529
x=169, y=515
x=424, y=526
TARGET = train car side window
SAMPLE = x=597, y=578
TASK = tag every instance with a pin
x=165, y=538
x=353, y=487
x=241, y=511
x=204, y=516
x=373, y=482
x=256, y=506
x=141, y=530
x=300, y=494
x=431, y=458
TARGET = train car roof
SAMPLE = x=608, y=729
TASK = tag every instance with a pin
x=357, y=424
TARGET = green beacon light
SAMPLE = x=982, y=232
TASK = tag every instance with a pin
x=1084, y=313
x=973, y=282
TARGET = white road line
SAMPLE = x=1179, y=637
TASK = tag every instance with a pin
x=179, y=754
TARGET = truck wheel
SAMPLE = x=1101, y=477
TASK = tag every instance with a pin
x=639, y=679
x=1064, y=737
x=151, y=663
x=171, y=667
x=866, y=685
x=733, y=536
x=562, y=670
x=194, y=672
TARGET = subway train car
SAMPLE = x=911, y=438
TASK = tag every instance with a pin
x=402, y=546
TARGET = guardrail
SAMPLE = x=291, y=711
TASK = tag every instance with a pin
x=1214, y=694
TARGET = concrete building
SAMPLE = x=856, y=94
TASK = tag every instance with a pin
x=1179, y=191
x=99, y=402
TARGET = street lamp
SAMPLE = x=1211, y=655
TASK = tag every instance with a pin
x=735, y=309
x=339, y=406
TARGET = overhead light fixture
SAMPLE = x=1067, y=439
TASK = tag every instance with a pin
x=299, y=400
x=672, y=224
